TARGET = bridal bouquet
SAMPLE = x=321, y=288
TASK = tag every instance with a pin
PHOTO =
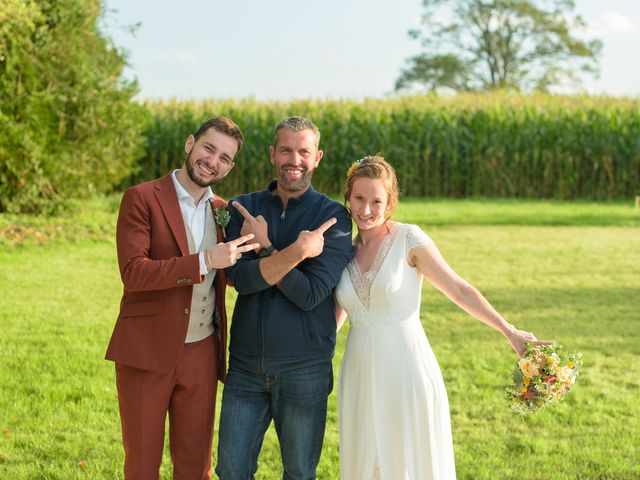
x=542, y=377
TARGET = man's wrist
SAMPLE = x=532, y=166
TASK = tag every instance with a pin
x=202, y=263
x=207, y=260
x=265, y=251
x=298, y=250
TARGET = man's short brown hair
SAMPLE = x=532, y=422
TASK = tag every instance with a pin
x=223, y=125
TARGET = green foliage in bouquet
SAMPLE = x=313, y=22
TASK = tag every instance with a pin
x=542, y=377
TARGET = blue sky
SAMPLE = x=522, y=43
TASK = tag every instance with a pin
x=285, y=49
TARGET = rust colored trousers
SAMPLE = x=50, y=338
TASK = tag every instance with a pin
x=187, y=393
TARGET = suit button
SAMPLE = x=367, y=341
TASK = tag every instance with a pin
x=186, y=311
x=204, y=299
x=203, y=311
x=201, y=324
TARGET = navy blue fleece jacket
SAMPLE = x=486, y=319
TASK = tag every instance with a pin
x=292, y=324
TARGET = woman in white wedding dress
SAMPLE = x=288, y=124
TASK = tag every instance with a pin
x=392, y=404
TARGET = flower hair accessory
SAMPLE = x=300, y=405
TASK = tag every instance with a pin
x=353, y=167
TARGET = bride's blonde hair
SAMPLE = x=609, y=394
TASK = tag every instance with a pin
x=375, y=167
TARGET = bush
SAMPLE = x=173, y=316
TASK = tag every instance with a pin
x=69, y=126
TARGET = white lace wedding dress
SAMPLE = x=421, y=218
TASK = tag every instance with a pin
x=392, y=405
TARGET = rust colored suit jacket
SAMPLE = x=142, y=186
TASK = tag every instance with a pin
x=158, y=272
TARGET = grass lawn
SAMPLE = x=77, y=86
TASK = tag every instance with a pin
x=567, y=271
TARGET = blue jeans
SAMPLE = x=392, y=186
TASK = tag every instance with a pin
x=296, y=400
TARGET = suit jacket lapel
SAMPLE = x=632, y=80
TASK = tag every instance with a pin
x=168, y=200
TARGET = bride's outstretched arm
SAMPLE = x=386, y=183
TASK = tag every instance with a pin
x=430, y=263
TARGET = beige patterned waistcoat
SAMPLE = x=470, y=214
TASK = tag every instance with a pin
x=203, y=298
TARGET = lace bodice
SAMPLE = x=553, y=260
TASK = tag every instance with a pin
x=390, y=291
x=362, y=281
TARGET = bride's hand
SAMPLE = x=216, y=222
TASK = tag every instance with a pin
x=519, y=338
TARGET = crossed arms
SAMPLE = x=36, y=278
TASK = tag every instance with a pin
x=306, y=271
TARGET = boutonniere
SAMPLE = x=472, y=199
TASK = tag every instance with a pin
x=222, y=218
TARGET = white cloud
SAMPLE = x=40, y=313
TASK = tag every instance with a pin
x=188, y=58
x=610, y=23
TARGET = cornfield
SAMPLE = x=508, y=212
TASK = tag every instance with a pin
x=493, y=145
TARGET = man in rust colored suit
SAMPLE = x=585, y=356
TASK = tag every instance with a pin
x=170, y=340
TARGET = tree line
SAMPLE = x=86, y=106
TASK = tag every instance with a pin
x=71, y=128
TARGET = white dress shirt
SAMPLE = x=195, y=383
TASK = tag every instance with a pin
x=196, y=213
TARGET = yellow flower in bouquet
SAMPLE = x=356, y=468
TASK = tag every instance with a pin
x=542, y=377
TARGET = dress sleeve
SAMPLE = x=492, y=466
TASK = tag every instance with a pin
x=416, y=237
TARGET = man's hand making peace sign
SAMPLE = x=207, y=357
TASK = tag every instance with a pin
x=223, y=255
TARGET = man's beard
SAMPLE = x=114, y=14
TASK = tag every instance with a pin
x=197, y=180
x=297, y=186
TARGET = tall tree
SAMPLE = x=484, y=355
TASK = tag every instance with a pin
x=69, y=125
x=513, y=44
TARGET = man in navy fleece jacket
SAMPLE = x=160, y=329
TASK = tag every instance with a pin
x=283, y=330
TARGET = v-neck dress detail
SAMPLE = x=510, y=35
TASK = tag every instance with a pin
x=362, y=281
